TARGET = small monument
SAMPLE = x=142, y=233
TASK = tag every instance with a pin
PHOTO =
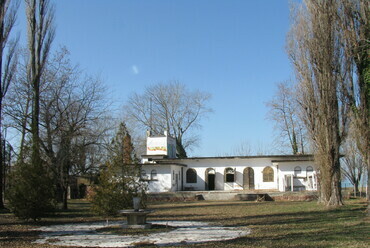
x=136, y=218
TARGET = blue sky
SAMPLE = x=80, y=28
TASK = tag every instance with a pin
x=233, y=49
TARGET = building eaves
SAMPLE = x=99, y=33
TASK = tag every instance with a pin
x=277, y=158
x=160, y=162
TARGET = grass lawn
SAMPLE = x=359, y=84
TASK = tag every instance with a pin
x=273, y=224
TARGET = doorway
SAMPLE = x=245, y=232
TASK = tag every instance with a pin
x=248, y=178
x=210, y=178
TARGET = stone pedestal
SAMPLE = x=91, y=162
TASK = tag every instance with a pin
x=136, y=219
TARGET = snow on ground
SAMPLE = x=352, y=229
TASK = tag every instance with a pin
x=84, y=234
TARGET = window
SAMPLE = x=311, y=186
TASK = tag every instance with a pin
x=268, y=174
x=229, y=175
x=191, y=176
x=153, y=175
x=309, y=169
x=297, y=170
x=143, y=174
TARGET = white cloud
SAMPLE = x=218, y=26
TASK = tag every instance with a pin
x=135, y=69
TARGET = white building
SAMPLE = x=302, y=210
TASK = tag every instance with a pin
x=166, y=173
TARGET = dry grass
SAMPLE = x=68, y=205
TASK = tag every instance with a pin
x=273, y=224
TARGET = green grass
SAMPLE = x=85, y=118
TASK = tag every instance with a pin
x=273, y=224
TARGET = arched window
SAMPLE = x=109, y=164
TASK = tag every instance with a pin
x=297, y=170
x=229, y=175
x=143, y=174
x=191, y=176
x=153, y=175
x=268, y=174
x=309, y=169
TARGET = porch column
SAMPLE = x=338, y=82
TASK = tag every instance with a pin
x=276, y=165
x=291, y=181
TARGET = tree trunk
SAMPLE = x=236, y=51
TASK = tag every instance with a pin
x=23, y=132
x=294, y=143
x=336, y=190
x=2, y=167
x=368, y=184
x=2, y=94
x=1, y=170
x=368, y=181
x=65, y=163
x=36, y=157
x=181, y=153
x=65, y=197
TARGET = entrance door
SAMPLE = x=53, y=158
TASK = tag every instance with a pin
x=210, y=179
x=248, y=178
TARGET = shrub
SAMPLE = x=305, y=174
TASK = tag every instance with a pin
x=31, y=192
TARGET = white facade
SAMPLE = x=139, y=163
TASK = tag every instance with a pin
x=165, y=173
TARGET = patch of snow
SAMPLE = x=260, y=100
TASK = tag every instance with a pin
x=84, y=234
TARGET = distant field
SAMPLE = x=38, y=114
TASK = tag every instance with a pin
x=273, y=224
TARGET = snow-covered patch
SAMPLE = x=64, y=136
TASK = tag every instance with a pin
x=84, y=234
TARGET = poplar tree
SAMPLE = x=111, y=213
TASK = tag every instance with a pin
x=31, y=190
x=8, y=64
x=354, y=19
x=317, y=55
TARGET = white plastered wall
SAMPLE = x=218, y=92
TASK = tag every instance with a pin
x=287, y=170
x=163, y=181
x=239, y=164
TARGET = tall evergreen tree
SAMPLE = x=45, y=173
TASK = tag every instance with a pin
x=30, y=192
x=119, y=180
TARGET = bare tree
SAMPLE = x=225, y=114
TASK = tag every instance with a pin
x=242, y=149
x=18, y=104
x=169, y=107
x=353, y=165
x=72, y=111
x=315, y=50
x=8, y=62
x=354, y=19
x=73, y=120
x=284, y=111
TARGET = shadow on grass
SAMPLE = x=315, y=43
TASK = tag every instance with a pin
x=9, y=236
x=356, y=235
x=77, y=212
x=202, y=204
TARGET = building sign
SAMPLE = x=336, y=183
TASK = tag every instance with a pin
x=157, y=148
